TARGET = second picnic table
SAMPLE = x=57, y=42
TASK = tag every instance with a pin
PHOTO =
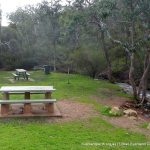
x=21, y=73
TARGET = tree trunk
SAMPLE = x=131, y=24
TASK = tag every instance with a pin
x=109, y=69
x=54, y=60
x=0, y=22
x=131, y=78
x=143, y=83
x=132, y=57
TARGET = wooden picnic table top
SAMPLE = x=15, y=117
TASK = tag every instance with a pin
x=21, y=70
x=16, y=89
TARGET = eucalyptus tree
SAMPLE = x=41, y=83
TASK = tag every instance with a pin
x=99, y=11
x=144, y=17
x=135, y=15
x=50, y=13
x=129, y=15
x=0, y=22
x=96, y=12
x=24, y=21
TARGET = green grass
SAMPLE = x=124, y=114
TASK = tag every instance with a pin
x=144, y=125
x=31, y=134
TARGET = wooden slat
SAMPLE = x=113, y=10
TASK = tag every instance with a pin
x=14, y=74
x=41, y=89
x=27, y=101
x=24, y=92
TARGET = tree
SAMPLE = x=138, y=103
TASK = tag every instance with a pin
x=52, y=12
x=133, y=12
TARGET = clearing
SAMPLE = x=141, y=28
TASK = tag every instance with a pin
x=81, y=103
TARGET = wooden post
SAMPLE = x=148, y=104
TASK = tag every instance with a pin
x=4, y=109
x=27, y=95
x=48, y=95
x=68, y=75
x=27, y=106
x=49, y=107
x=6, y=96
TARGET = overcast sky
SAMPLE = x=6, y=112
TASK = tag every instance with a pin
x=8, y=6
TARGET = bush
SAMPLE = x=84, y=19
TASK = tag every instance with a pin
x=112, y=112
x=89, y=62
x=27, y=64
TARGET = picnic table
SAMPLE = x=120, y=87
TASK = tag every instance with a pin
x=26, y=91
x=21, y=73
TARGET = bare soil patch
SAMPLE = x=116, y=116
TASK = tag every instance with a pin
x=125, y=122
x=112, y=101
x=72, y=111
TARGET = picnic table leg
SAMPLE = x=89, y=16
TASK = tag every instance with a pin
x=27, y=95
x=49, y=107
x=6, y=96
x=24, y=75
x=27, y=106
x=48, y=95
x=5, y=107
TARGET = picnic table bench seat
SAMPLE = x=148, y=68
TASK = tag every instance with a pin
x=27, y=75
x=27, y=101
x=27, y=105
x=15, y=76
x=25, y=92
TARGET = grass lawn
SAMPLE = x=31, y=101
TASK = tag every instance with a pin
x=18, y=134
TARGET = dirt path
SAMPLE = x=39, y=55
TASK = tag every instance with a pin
x=126, y=123
x=112, y=101
x=72, y=111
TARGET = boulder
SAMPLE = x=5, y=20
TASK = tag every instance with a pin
x=116, y=111
x=130, y=112
x=133, y=118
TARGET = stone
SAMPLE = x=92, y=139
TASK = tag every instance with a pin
x=148, y=127
x=133, y=118
x=130, y=112
x=116, y=111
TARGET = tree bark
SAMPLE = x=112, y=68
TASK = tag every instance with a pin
x=54, y=60
x=109, y=68
x=131, y=78
x=143, y=83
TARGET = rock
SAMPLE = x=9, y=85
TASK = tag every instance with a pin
x=148, y=127
x=130, y=112
x=133, y=118
x=116, y=111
